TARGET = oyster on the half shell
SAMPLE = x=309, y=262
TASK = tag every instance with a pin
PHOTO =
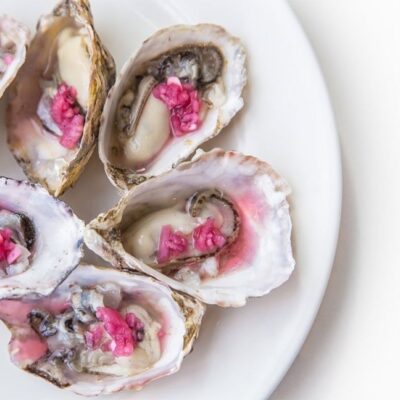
x=217, y=228
x=103, y=331
x=55, y=106
x=14, y=40
x=40, y=240
x=179, y=90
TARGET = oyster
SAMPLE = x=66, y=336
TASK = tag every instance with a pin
x=14, y=40
x=40, y=240
x=181, y=88
x=217, y=228
x=103, y=331
x=54, y=111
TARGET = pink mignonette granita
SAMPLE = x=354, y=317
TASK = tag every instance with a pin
x=8, y=58
x=124, y=333
x=67, y=115
x=208, y=237
x=172, y=244
x=122, y=344
x=183, y=103
x=136, y=325
x=8, y=250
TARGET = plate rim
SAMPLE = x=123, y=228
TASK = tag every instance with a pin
x=338, y=201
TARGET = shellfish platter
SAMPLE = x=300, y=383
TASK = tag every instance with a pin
x=159, y=163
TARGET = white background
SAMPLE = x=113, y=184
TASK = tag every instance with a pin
x=353, y=351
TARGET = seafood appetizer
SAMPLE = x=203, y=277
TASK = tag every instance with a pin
x=103, y=331
x=212, y=230
x=55, y=106
x=40, y=240
x=181, y=88
x=217, y=228
x=14, y=40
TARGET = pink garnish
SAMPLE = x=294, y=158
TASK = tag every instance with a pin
x=67, y=115
x=207, y=237
x=8, y=58
x=106, y=346
x=172, y=244
x=94, y=336
x=183, y=103
x=136, y=325
x=8, y=250
x=122, y=344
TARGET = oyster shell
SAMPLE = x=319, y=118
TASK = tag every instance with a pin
x=54, y=111
x=103, y=331
x=14, y=40
x=217, y=228
x=40, y=240
x=198, y=72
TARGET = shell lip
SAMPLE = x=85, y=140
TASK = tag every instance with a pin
x=46, y=376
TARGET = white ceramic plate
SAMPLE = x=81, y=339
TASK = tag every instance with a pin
x=242, y=353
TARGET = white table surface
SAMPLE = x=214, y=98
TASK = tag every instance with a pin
x=353, y=350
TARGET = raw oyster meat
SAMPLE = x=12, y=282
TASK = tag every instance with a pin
x=54, y=111
x=14, y=40
x=103, y=331
x=40, y=240
x=217, y=228
x=180, y=89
